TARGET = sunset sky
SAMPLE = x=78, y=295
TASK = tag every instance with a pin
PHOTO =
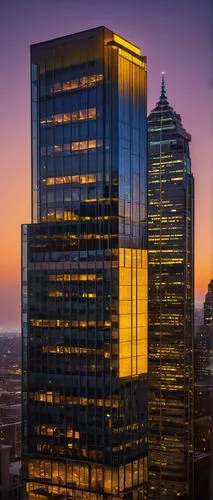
x=176, y=38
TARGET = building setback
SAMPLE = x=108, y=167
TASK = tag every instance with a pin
x=171, y=299
x=84, y=274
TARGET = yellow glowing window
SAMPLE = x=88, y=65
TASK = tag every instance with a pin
x=142, y=320
x=58, y=118
x=127, y=45
x=89, y=295
x=132, y=312
x=85, y=81
x=73, y=434
x=107, y=480
x=55, y=293
x=92, y=144
x=125, y=321
x=79, y=115
x=142, y=292
x=125, y=349
x=125, y=334
x=81, y=145
x=125, y=276
x=92, y=113
x=67, y=117
x=73, y=277
x=74, y=146
x=60, y=323
x=142, y=347
x=124, y=54
x=82, y=114
x=125, y=307
x=125, y=293
x=142, y=364
x=142, y=332
x=72, y=85
x=125, y=367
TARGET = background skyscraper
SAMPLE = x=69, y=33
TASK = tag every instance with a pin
x=85, y=271
x=203, y=400
x=203, y=340
x=208, y=305
x=171, y=297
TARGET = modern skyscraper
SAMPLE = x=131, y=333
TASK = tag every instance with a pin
x=171, y=298
x=85, y=272
x=208, y=305
x=203, y=402
x=203, y=343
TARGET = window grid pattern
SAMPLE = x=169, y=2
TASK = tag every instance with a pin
x=87, y=414
x=170, y=244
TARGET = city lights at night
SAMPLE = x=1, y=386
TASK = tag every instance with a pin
x=106, y=269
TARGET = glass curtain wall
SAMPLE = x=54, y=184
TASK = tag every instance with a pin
x=171, y=303
x=85, y=364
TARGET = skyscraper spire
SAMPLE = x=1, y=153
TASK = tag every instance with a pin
x=163, y=90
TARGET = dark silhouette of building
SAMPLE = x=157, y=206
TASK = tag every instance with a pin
x=202, y=441
x=203, y=343
x=10, y=476
x=10, y=434
x=171, y=305
x=203, y=401
x=203, y=353
x=84, y=275
x=208, y=305
x=201, y=476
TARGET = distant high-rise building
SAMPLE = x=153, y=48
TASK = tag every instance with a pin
x=208, y=305
x=203, y=341
x=84, y=277
x=203, y=401
x=10, y=476
x=202, y=353
x=171, y=305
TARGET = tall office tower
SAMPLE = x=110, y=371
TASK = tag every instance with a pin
x=208, y=305
x=85, y=272
x=171, y=297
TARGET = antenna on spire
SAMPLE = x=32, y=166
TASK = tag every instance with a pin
x=163, y=90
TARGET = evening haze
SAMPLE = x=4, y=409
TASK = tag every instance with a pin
x=175, y=37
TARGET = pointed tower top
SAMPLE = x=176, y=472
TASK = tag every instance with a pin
x=163, y=90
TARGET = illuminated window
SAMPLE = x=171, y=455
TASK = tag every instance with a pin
x=74, y=116
x=133, y=321
x=55, y=293
x=82, y=179
x=74, y=277
x=74, y=146
x=60, y=323
x=84, y=81
x=127, y=45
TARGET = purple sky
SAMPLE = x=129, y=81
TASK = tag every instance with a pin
x=175, y=37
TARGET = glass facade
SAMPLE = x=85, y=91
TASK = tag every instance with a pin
x=84, y=276
x=171, y=299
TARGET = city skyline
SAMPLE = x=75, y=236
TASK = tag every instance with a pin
x=189, y=91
